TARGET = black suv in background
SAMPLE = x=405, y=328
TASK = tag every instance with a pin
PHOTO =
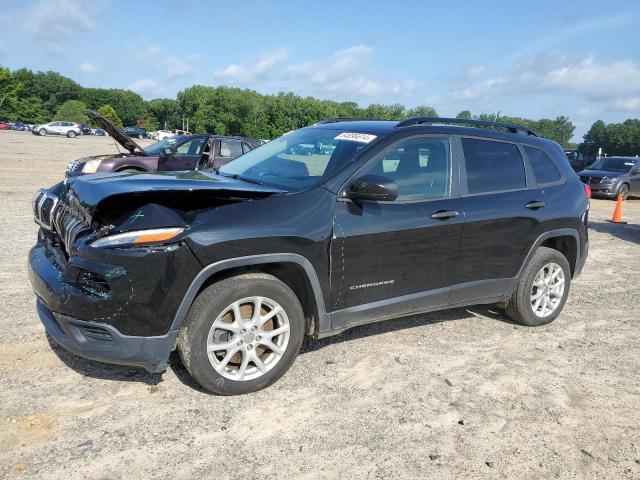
x=328, y=227
x=135, y=132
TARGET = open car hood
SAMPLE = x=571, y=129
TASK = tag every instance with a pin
x=117, y=134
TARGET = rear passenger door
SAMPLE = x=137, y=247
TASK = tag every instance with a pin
x=504, y=210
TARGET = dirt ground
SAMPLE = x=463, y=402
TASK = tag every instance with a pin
x=462, y=393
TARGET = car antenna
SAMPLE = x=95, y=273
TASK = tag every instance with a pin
x=497, y=115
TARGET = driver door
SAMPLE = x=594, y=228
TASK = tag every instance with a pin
x=184, y=156
x=400, y=252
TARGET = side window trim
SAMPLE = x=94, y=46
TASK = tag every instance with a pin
x=562, y=180
x=454, y=178
x=464, y=191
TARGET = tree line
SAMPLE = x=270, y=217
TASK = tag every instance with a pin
x=39, y=97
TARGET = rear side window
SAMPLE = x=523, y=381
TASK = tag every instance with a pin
x=543, y=167
x=492, y=166
x=229, y=148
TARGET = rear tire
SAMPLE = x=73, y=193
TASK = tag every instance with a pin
x=223, y=343
x=538, y=287
x=71, y=134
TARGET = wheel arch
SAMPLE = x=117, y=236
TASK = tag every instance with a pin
x=565, y=240
x=131, y=167
x=292, y=269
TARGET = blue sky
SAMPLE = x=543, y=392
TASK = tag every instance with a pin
x=532, y=59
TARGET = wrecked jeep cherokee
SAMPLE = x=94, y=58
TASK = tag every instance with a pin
x=328, y=227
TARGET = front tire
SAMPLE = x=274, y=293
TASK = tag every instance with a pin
x=242, y=334
x=542, y=290
x=42, y=132
x=623, y=191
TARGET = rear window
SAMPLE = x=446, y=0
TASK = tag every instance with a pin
x=543, y=167
x=493, y=166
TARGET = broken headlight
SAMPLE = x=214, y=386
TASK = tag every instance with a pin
x=139, y=237
x=91, y=166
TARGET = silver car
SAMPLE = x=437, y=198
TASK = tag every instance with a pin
x=70, y=129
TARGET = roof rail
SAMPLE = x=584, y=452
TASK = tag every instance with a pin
x=336, y=120
x=512, y=128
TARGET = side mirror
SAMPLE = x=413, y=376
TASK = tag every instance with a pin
x=167, y=152
x=372, y=187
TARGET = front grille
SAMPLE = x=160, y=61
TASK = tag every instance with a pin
x=591, y=179
x=67, y=225
x=74, y=167
x=53, y=215
x=44, y=202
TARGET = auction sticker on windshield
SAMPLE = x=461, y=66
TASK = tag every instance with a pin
x=356, y=137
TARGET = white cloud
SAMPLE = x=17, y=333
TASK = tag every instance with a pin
x=57, y=20
x=145, y=87
x=243, y=74
x=177, y=68
x=346, y=73
x=88, y=67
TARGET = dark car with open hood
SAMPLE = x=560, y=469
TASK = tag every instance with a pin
x=612, y=176
x=180, y=152
x=325, y=228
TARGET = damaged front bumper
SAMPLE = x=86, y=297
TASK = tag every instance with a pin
x=113, y=305
x=102, y=342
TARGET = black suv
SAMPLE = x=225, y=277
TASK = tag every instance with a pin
x=328, y=227
x=135, y=132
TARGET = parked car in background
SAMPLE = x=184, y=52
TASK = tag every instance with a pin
x=577, y=160
x=161, y=134
x=99, y=131
x=70, y=129
x=135, y=132
x=86, y=129
x=610, y=176
x=5, y=126
x=19, y=126
x=179, y=152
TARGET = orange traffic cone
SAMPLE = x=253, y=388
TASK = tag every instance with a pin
x=617, y=213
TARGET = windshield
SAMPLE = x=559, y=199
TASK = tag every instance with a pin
x=300, y=159
x=612, y=165
x=158, y=147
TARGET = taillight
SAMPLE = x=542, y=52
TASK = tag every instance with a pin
x=587, y=191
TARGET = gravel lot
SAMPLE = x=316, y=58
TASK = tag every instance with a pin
x=457, y=394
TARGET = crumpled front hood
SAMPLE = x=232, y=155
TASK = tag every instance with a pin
x=88, y=191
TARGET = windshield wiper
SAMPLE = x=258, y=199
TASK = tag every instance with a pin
x=236, y=176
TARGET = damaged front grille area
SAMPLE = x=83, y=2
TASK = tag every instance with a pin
x=53, y=215
x=44, y=202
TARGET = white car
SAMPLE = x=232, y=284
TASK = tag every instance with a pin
x=70, y=129
x=161, y=134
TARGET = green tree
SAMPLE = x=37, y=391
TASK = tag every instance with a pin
x=129, y=106
x=9, y=86
x=422, y=111
x=165, y=113
x=465, y=115
x=72, y=111
x=108, y=112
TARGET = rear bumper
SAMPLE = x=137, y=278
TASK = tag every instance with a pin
x=103, y=342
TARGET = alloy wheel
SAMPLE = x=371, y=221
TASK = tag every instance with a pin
x=547, y=290
x=248, y=338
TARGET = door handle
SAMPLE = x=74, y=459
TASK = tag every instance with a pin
x=534, y=205
x=444, y=214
